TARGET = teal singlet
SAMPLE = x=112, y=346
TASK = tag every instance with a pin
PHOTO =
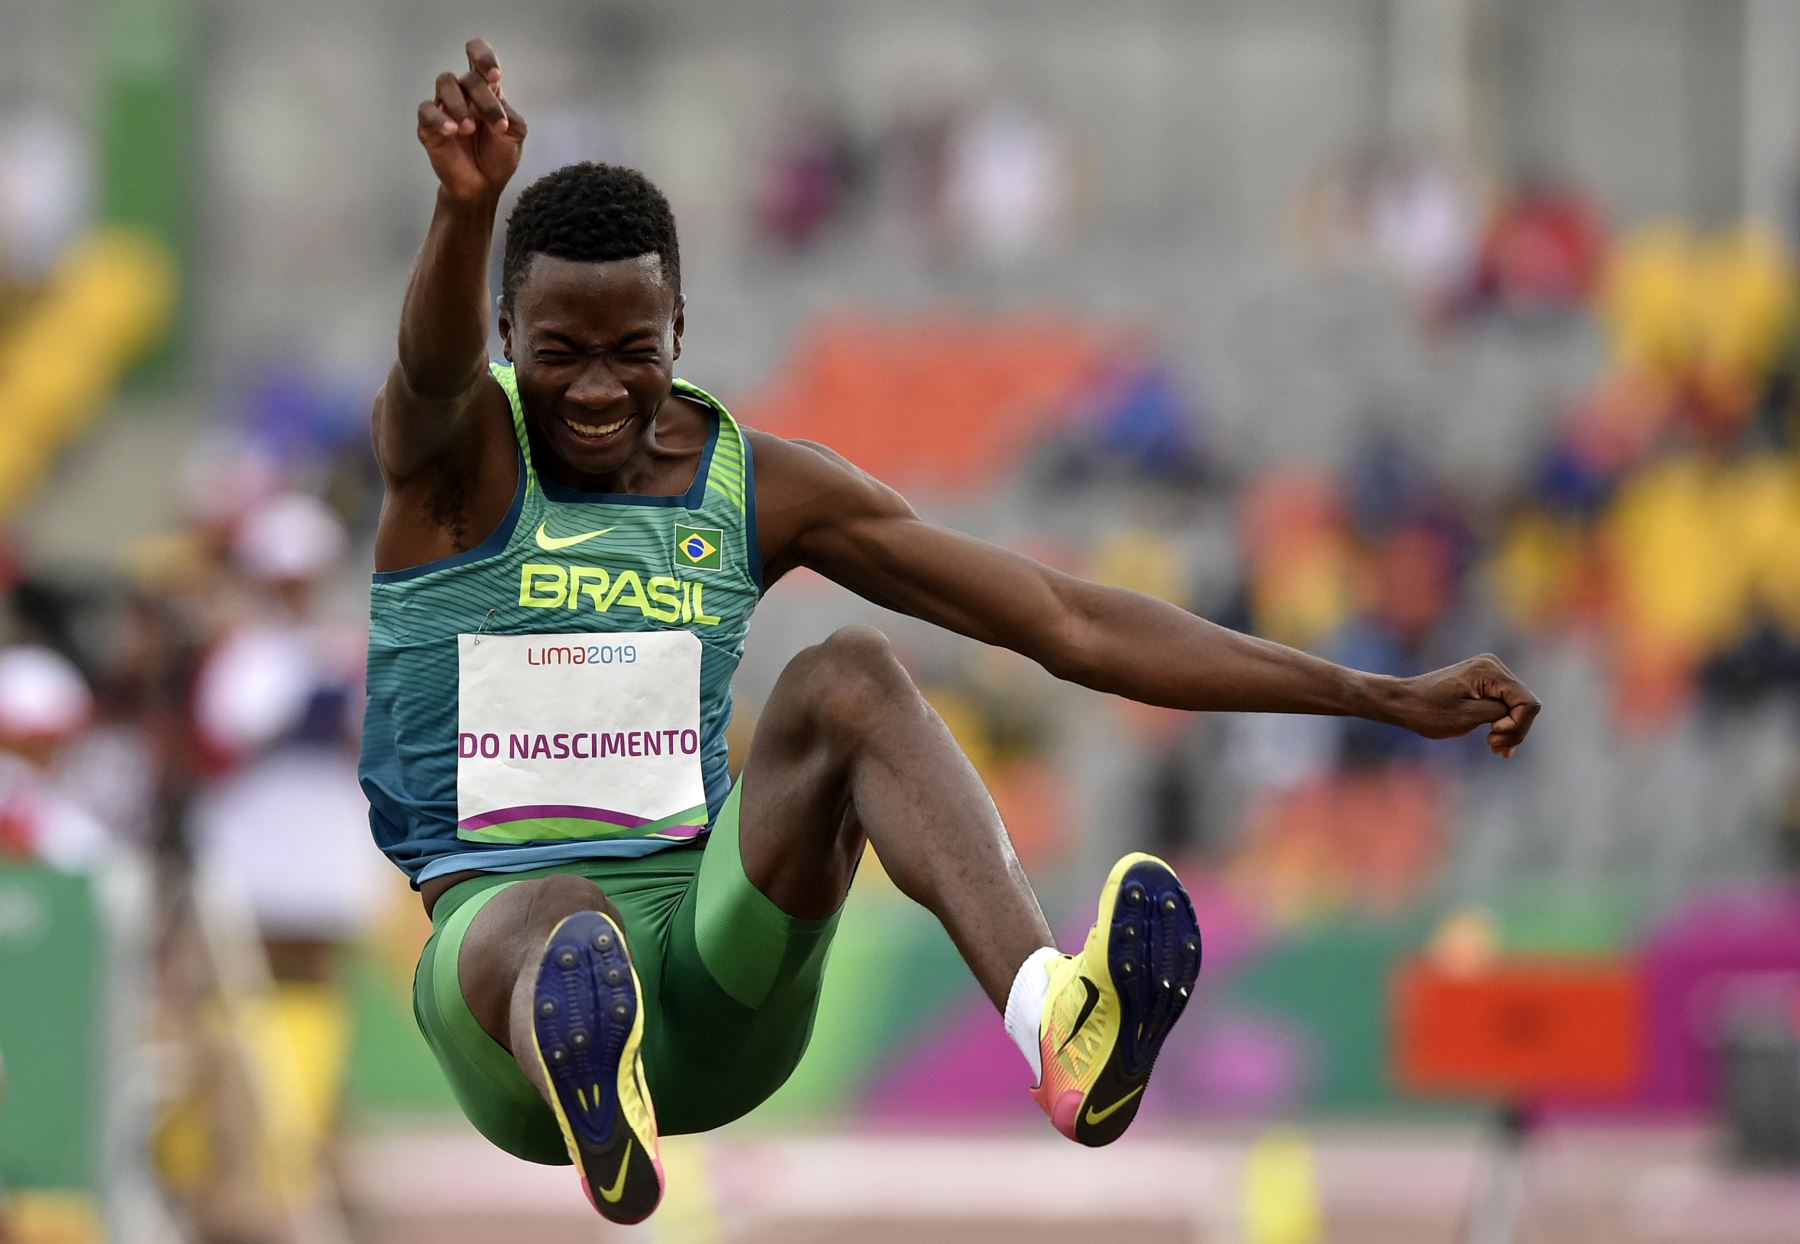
x=570, y=564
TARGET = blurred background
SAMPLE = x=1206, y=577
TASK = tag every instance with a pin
x=1397, y=330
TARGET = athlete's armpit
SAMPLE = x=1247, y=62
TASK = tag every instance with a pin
x=415, y=433
x=819, y=511
x=447, y=486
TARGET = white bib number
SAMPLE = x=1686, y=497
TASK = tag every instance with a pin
x=579, y=736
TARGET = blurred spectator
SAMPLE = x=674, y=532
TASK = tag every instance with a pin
x=43, y=705
x=1706, y=319
x=1137, y=423
x=1541, y=253
x=45, y=190
x=281, y=827
x=275, y=702
x=1422, y=221
x=810, y=181
x=1297, y=556
x=1412, y=212
x=1007, y=183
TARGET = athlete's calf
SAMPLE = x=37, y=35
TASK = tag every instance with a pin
x=847, y=750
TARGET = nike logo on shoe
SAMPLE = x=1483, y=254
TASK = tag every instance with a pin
x=552, y=543
x=611, y=1195
x=1087, y=1009
x=1100, y=1116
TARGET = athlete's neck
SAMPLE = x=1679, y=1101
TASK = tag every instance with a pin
x=663, y=465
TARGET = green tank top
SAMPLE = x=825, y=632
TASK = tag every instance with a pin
x=560, y=562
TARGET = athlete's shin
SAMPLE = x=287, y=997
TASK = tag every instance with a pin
x=848, y=748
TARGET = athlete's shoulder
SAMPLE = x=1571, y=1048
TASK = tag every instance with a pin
x=789, y=455
x=805, y=491
x=806, y=469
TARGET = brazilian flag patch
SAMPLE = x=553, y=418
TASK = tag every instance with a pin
x=698, y=548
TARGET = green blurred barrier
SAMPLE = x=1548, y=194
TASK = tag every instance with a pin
x=52, y=1029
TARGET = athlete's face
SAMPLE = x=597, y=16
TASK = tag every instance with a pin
x=593, y=346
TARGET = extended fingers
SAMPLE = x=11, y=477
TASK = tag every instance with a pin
x=454, y=103
x=483, y=103
x=434, y=123
x=482, y=83
x=482, y=61
x=465, y=101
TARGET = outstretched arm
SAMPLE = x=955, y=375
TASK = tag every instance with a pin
x=819, y=511
x=473, y=138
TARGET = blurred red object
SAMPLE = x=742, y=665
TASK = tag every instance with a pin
x=1544, y=250
x=1520, y=1029
x=1365, y=840
x=948, y=401
x=1415, y=580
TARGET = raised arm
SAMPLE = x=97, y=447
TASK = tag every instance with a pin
x=473, y=138
x=819, y=511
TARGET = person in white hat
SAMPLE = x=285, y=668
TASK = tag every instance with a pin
x=44, y=703
x=274, y=705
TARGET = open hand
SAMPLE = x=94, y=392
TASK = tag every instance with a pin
x=1450, y=702
x=472, y=134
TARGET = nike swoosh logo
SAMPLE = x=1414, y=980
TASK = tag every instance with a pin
x=1087, y=1009
x=611, y=1195
x=1101, y=1116
x=553, y=543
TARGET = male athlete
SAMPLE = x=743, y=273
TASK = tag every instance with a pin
x=571, y=546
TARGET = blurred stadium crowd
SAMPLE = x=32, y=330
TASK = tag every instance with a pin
x=178, y=718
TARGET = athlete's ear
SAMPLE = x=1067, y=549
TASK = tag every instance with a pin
x=680, y=324
x=505, y=327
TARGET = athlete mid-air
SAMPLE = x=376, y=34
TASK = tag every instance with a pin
x=570, y=548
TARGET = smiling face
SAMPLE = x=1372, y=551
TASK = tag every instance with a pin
x=593, y=347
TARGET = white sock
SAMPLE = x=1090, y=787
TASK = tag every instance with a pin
x=1025, y=1006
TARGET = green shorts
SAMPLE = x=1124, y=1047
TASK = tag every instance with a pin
x=730, y=987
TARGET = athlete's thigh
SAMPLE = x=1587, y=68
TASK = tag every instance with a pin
x=490, y=929
x=486, y=1081
x=510, y=932
x=740, y=984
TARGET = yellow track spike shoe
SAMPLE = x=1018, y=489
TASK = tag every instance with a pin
x=588, y=1026
x=1109, y=1007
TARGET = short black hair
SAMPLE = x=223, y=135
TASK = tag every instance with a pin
x=589, y=213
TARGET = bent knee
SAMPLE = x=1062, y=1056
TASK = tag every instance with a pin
x=540, y=904
x=856, y=646
x=566, y=893
x=852, y=679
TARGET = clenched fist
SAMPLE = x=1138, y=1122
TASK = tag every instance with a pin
x=472, y=134
x=1450, y=702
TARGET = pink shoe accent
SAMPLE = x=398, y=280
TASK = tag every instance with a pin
x=1068, y=1109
